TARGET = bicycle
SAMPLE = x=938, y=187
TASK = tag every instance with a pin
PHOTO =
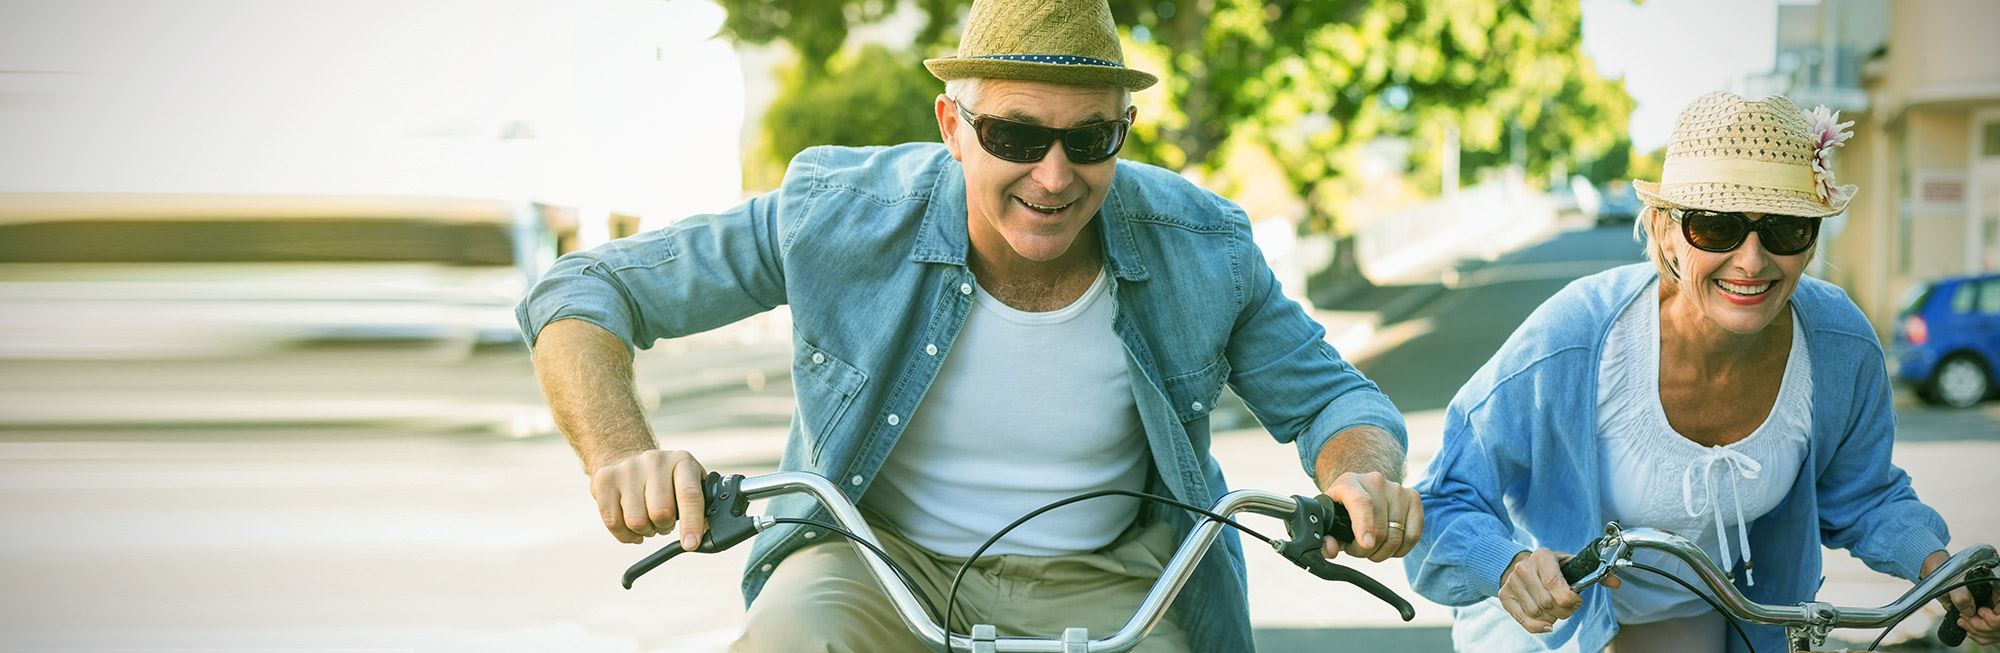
x=1307, y=522
x=1806, y=624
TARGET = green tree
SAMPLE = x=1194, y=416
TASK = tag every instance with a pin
x=1309, y=81
x=870, y=96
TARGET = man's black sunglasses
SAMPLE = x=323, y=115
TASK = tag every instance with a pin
x=1021, y=142
x=1715, y=231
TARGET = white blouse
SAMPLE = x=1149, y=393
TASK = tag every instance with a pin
x=1655, y=477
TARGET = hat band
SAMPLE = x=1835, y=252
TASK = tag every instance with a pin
x=1762, y=174
x=1052, y=58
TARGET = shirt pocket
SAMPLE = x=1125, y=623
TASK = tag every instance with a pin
x=1194, y=394
x=825, y=386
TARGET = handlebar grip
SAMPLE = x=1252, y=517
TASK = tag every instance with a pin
x=1948, y=631
x=1581, y=564
x=1334, y=516
x=723, y=504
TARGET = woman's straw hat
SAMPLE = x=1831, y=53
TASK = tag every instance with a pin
x=1763, y=156
x=1059, y=41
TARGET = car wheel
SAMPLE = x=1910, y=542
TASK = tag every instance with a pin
x=1959, y=381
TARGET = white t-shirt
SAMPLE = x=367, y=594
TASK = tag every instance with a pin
x=1029, y=408
x=1654, y=477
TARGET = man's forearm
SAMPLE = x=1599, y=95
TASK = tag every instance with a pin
x=1359, y=449
x=586, y=376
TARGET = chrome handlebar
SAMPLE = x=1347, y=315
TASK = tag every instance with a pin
x=728, y=526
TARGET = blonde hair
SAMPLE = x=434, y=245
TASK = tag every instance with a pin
x=1650, y=230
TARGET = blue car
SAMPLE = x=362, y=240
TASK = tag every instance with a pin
x=1948, y=340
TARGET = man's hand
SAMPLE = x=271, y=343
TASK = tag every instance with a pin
x=643, y=494
x=1388, y=518
x=1981, y=624
x=1361, y=468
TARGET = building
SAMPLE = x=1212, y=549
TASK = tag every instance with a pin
x=1921, y=80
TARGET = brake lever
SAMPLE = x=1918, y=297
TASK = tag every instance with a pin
x=1590, y=566
x=725, y=506
x=1312, y=520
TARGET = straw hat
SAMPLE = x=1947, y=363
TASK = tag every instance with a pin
x=1060, y=41
x=1763, y=156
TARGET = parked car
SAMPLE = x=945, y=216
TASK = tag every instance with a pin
x=1947, y=341
x=1620, y=206
x=1575, y=199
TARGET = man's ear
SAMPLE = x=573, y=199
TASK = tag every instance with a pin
x=948, y=124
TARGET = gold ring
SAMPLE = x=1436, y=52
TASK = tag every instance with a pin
x=1396, y=525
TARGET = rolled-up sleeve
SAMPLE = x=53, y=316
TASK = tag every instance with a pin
x=701, y=273
x=1291, y=379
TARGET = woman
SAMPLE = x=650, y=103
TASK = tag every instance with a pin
x=1718, y=393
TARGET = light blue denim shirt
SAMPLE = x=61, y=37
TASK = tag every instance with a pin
x=868, y=247
x=1519, y=470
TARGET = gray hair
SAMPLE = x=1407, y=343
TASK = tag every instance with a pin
x=967, y=90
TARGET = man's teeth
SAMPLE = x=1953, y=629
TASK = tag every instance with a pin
x=1746, y=291
x=1042, y=208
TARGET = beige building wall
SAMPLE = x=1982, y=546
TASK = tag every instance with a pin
x=1939, y=79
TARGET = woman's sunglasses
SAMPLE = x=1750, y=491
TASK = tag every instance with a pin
x=1713, y=231
x=1021, y=142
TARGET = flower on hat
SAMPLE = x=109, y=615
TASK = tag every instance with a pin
x=1828, y=133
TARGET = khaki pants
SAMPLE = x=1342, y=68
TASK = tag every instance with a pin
x=823, y=598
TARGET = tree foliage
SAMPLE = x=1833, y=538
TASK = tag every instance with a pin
x=1308, y=81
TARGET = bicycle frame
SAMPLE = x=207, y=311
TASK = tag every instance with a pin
x=1805, y=623
x=729, y=526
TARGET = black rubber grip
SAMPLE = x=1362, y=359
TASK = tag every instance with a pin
x=1580, y=565
x=1982, y=595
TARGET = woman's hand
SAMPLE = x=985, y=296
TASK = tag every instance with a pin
x=1534, y=593
x=1981, y=624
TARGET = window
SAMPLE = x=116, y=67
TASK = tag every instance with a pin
x=1961, y=299
x=1989, y=296
x=1990, y=140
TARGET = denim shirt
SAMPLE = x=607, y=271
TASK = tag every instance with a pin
x=868, y=247
x=1519, y=470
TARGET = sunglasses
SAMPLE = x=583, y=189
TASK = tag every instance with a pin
x=1714, y=231
x=1021, y=142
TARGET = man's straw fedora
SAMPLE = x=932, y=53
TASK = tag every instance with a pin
x=1059, y=41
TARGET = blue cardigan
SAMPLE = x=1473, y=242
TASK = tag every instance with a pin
x=1519, y=470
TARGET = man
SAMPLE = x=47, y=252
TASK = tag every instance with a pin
x=980, y=328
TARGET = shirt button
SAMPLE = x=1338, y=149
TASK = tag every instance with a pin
x=766, y=568
x=894, y=420
x=854, y=481
x=965, y=289
x=1197, y=405
x=819, y=358
x=930, y=350
x=812, y=534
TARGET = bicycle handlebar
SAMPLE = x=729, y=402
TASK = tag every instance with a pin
x=1590, y=565
x=1308, y=521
